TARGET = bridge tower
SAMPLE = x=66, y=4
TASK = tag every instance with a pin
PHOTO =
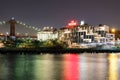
x=12, y=27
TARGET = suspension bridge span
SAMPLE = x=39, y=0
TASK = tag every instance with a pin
x=17, y=29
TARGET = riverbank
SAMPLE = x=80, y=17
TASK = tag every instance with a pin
x=55, y=50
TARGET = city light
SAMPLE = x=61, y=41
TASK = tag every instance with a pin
x=0, y=22
x=113, y=66
x=7, y=33
x=82, y=23
x=113, y=30
x=3, y=22
x=72, y=34
x=73, y=23
x=17, y=21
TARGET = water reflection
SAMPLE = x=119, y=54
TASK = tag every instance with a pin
x=3, y=70
x=102, y=66
x=70, y=67
x=93, y=67
x=113, y=67
x=18, y=67
x=43, y=67
x=10, y=68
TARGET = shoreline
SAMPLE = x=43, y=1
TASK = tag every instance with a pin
x=55, y=50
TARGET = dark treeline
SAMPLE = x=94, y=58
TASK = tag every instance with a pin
x=29, y=43
x=45, y=50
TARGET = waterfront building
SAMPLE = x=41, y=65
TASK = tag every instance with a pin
x=101, y=33
x=75, y=33
x=47, y=33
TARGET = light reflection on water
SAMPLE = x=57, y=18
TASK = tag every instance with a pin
x=44, y=67
x=113, y=66
x=70, y=67
x=102, y=66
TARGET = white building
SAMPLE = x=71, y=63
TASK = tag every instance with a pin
x=47, y=33
x=110, y=38
x=101, y=33
x=80, y=34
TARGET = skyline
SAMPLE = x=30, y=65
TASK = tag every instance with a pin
x=59, y=13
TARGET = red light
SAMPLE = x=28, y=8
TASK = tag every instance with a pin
x=72, y=23
x=70, y=67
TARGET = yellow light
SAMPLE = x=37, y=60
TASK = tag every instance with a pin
x=113, y=67
x=113, y=30
x=1, y=34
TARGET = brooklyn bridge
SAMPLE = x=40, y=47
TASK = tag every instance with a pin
x=16, y=28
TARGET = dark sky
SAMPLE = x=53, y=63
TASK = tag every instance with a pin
x=58, y=13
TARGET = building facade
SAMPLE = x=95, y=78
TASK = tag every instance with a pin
x=84, y=33
x=47, y=33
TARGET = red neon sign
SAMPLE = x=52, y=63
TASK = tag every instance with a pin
x=73, y=23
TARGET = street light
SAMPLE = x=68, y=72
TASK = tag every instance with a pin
x=113, y=30
x=6, y=35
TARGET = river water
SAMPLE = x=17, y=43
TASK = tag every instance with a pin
x=69, y=66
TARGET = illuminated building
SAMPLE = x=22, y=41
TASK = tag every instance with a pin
x=83, y=33
x=67, y=34
x=101, y=33
x=47, y=33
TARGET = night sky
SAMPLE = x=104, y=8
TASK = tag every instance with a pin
x=58, y=13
